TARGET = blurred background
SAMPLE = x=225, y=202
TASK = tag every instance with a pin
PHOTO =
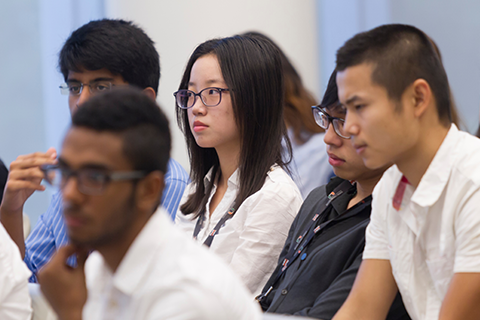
x=34, y=116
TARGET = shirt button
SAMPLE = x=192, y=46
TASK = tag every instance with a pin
x=284, y=291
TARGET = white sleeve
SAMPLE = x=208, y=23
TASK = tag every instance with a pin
x=376, y=241
x=15, y=300
x=467, y=234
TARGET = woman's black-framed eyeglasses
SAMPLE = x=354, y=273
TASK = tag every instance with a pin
x=211, y=97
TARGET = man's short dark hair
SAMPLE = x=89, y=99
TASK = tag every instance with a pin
x=400, y=54
x=116, y=45
x=137, y=118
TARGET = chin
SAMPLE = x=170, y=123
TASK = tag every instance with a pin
x=83, y=242
x=203, y=144
x=344, y=174
x=374, y=164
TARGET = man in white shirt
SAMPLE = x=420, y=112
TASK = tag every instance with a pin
x=15, y=301
x=110, y=171
x=424, y=234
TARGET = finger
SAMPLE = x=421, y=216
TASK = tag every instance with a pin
x=17, y=185
x=57, y=265
x=52, y=153
x=82, y=256
x=66, y=251
x=30, y=162
x=26, y=174
x=34, y=155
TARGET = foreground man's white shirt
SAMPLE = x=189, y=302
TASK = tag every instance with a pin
x=15, y=303
x=165, y=275
x=436, y=232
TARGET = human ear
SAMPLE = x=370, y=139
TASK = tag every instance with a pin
x=150, y=93
x=149, y=190
x=421, y=96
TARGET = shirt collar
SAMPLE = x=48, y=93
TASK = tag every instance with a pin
x=136, y=263
x=232, y=181
x=438, y=172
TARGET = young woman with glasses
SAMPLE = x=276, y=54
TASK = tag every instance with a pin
x=241, y=202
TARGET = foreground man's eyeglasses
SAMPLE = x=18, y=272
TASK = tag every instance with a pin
x=90, y=181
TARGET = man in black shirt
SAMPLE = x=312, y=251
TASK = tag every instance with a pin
x=323, y=251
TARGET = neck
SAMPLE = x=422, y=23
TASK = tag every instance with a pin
x=364, y=188
x=417, y=160
x=115, y=249
x=228, y=159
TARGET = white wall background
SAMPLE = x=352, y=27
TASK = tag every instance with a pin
x=455, y=27
x=177, y=27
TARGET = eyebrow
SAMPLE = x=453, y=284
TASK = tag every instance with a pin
x=336, y=107
x=94, y=80
x=96, y=166
x=351, y=100
x=209, y=82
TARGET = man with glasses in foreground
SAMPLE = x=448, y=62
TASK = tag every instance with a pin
x=110, y=172
x=323, y=251
x=96, y=57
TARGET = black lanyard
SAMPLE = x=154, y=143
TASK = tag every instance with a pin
x=310, y=231
x=201, y=219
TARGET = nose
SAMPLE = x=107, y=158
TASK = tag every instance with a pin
x=70, y=191
x=331, y=138
x=75, y=101
x=84, y=95
x=199, y=107
x=351, y=126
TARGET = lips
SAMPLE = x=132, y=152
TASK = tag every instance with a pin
x=199, y=126
x=74, y=222
x=334, y=160
x=73, y=216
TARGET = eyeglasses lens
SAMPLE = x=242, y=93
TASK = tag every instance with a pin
x=210, y=97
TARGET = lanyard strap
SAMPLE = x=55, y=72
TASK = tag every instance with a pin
x=201, y=219
x=302, y=242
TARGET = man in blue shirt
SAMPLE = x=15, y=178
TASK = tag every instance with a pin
x=96, y=57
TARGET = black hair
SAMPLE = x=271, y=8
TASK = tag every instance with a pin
x=252, y=70
x=116, y=45
x=330, y=97
x=298, y=101
x=400, y=54
x=137, y=118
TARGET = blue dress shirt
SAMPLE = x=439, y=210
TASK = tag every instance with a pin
x=50, y=233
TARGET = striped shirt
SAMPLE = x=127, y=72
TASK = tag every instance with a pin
x=50, y=233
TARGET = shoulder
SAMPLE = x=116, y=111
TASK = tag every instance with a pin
x=11, y=262
x=175, y=171
x=177, y=276
x=53, y=215
x=467, y=157
x=279, y=191
x=316, y=195
x=279, y=180
x=388, y=183
x=310, y=206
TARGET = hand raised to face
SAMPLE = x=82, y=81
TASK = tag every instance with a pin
x=63, y=286
x=24, y=178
